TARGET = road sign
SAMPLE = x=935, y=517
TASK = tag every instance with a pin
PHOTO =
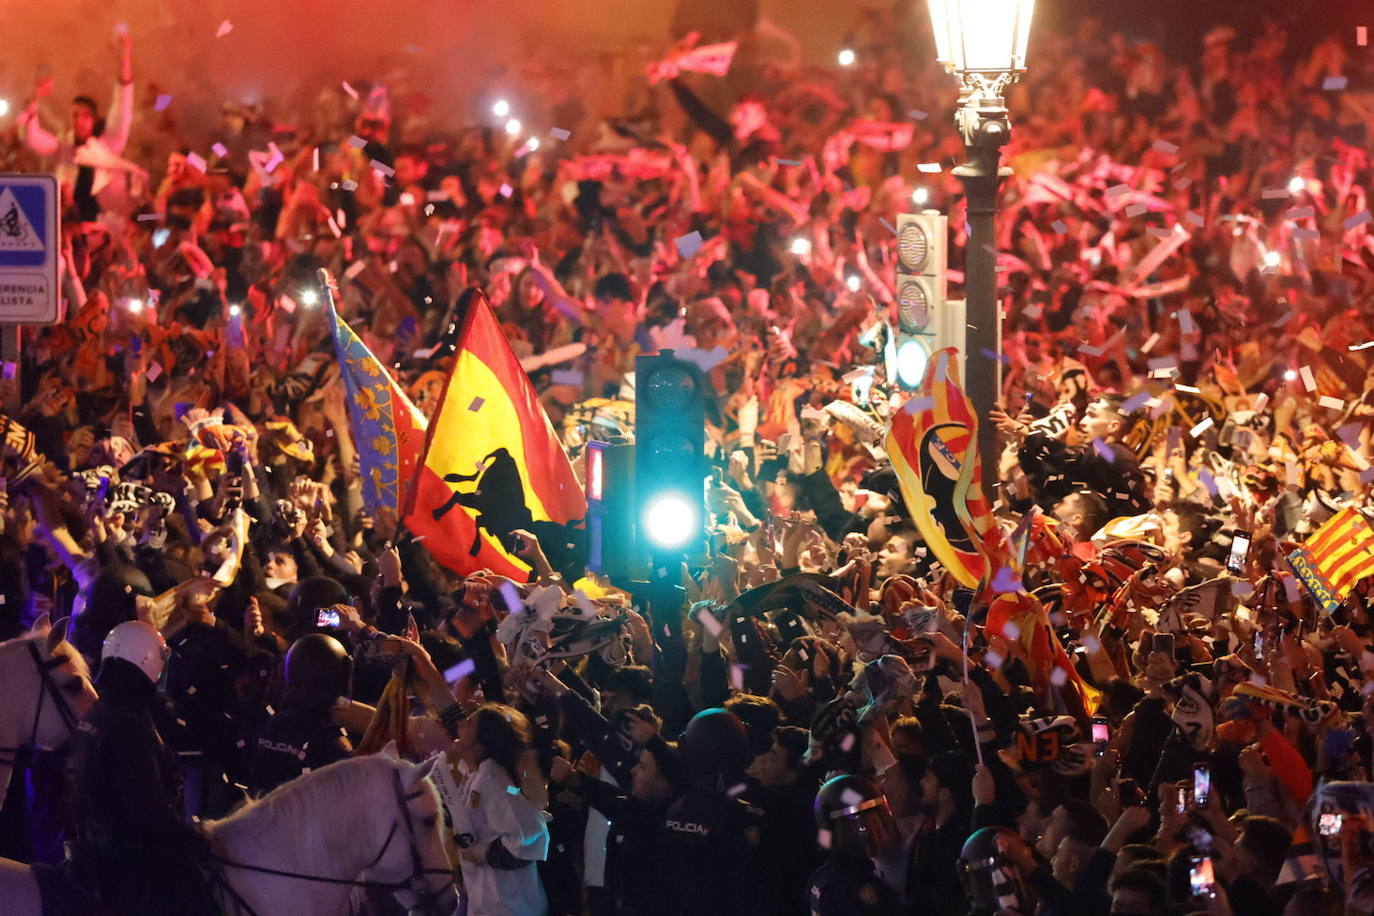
x=30, y=292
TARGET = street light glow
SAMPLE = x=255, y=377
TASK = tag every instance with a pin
x=919, y=197
x=847, y=57
x=669, y=521
x=911, y=363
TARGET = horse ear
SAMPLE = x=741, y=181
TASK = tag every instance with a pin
x=423, y=770
x=391, y=750
x=41, y=625
x=58, y=634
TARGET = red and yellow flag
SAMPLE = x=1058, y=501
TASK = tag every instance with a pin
x=1337, y=556
x=933, y=447
x=492, y=462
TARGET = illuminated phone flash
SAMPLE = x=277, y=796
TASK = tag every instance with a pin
x=801, y=247
x=1271, y=259
x=919, y=197
x=513, y=126
x=234, y=311
x=500, y=108
x=1296, y=184
x=1289, y=375
x=309, y=297
x=4, y=107
x=847, y=57
x=135, y=305
x=853, y=283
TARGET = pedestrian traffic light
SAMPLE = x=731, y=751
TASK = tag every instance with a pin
x=609, y=481
x=921, y=262
x=670, y=461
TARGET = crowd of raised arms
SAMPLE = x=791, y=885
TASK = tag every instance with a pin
x=1146, y=712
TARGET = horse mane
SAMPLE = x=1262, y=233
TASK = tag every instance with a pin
x=299, y=807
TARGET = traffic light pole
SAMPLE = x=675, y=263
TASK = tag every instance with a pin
x=983, y=121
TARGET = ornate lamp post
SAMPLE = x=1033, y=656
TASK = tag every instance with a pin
x=983, y=42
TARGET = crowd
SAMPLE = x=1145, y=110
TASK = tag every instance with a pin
x=1166, y=721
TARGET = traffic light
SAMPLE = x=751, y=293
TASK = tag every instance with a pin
x=921, y=307
x=670, y=455
x=610, y=487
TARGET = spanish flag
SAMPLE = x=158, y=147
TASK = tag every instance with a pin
x=492, y=463
x=933, y=447
x=388, y=430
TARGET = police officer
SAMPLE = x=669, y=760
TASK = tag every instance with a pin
x=991, y=868
x=302, y=735
x=132, y=848
x=854, y=824
x=712, y=835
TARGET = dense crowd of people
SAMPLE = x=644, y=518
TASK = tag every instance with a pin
x=827, y=721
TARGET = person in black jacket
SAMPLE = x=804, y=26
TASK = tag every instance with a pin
x=1103, y=466
x=854, y=824
x=132, y=849
x=302, y=735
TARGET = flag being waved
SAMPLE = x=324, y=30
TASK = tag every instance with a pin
x=388, y=431
x=933, y=446
x=492, y=463
x=1337, y=556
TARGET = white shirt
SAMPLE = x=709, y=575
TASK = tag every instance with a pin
x=490, y=807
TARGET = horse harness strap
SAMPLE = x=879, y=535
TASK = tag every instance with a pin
x=18, y=756
x=417, y=874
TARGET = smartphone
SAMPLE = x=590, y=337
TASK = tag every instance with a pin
x=327, y=617
x=1101, y=735
x=1201, y=878
x=1240, y=550
x=1329, y=824
x=1163, y=642
x=1202, y=785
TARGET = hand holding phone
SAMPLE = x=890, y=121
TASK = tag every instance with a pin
x=327, y=617
x=1202, y=785
x=1240, y=552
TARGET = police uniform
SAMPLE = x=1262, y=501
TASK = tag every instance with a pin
x=295, y=741
x=848, y=886
x=712, y=845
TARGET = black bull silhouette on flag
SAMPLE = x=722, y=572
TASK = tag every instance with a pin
x=498, y=499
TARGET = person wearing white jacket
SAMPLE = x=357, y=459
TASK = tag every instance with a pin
x=501, y=833
x=97, y=181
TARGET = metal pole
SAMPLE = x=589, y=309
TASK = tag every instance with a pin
x=9, y=363
x=985, y=128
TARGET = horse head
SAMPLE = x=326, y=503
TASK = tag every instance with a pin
x=47, y=687
x=415, y=860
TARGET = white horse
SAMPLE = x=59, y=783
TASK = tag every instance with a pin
x=311, y=845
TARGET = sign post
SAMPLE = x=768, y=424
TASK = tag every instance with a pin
x=30, y=283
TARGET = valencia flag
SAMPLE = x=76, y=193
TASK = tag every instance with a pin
x=492, y=462
x=933, y=446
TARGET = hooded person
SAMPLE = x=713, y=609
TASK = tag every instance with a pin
x=133, y=850
x=112, y=599
x=710, y=830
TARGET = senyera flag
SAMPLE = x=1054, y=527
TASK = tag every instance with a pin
x=492, y=463
x=933, y=446
x=388, y=430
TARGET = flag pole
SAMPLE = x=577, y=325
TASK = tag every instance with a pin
x=977, y=745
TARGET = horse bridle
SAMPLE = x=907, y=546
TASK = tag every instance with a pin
x=17, y=756
x=415, y=883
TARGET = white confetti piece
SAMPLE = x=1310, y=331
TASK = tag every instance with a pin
x=196, y=161
x=225, y=28
x=220, y=150
x=1135, y=401
x=352, y=93
x=1359, y=219
x=689, y=244
x=1300, y=213
x=1059, y=227
x=506, y=190
x=1306, y=234
x=1194, y=219
x=356, y=142
x=1328, y=401
x=930, y=168
x=1058, y=677
x=1362, y=35
x=162, y=102
x=1273, y=193
x=459, y=671
x=153, y=372
x=382, y=167
x=1308, y=382
x=1135, y=210
x=1158, y=232
x=1185, y=321
x=1164, y=146
x=1150, y=343
x=918, y=114
x=1189, y=389
x=1335, y=83
x=1206, y=424
x=354, y=269
x=559, y=133
x=1182, y=184
x=1117, y=190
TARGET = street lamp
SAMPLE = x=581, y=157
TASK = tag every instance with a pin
x=984, y=43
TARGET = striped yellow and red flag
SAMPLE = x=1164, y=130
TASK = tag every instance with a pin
x=1339, y=554
x=492, y=462
x=933, y=447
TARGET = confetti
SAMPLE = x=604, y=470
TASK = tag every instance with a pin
x=476, y=404
x=1274, y=193
x=506, y=190
x=1208, y=481
x=1334, y=83
x=1308, y=382
x=1007, y=582
x=559, y=133
x=225, y=28
x=890, y=227
x=153, y=372
x=1187, y=389
x=1182, y=184
x=1090, y=350
x=150, y=217
x=1104, y=451
x=1117, y=190
x=1158, y=232
x=1206, y=424
x=1283, y=319
x=352, y=93
x=710, y=623
x=1162, y=362
x=196, y=161
x=1164, y=146
x=1328, y=401
x=1150, y=343
x=689, y=244
x=1300, y=213
x=460, y=671
x=354, y=269
x=382, y=167
x=1135, y=401
x=930, y=168
x=356, y=142
x=1359, y=219
x=567, y=377
x=162, y=102
x=789, y=162
x=1059, y=227
x=1192, y=218
x=1306, y=234
x=1135, y=210
x=1362, y=35
x=1058, y=677
x=1366, y=477
x=918, y=114
x=1364, y=346
x=1185, y=321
